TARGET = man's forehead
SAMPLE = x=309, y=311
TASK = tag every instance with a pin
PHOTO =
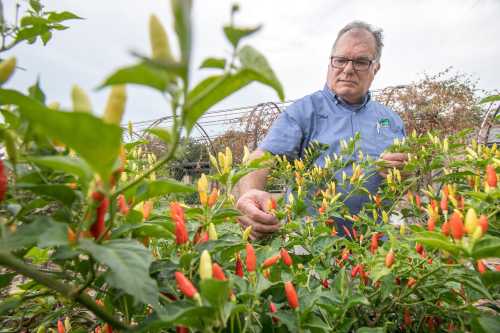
x=357, y=40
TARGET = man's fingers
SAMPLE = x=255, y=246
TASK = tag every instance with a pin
x=250, y=209
x=258, y=227
x=394, y=157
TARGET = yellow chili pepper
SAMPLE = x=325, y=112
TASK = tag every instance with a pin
x=7, y=67
x=159, y=40
x=212, y=233
x=116, y=105
x=81, y=101
x=205, y=265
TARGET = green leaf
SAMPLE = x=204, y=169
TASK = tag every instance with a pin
x=235, y=34
x=36, y=92
x=63, y=16
x=437, y=241
x=26, y=235
x=490, y=278
x=213, y=63
x=371, y=330
x=212, y=90
x=215, y=292
x=9, y=304
x=72, y=165
x=161, y=133
x=485, y=324
x=472, y=282
x=96, y=141
x=253, y=60
x=141, y=74
x=129, y=265
x=6, y=278
x=151, y=189
x=59, y=192
x=489, y=99
x=181, y=12
x=224, y=213
x=289, y=319
x=56, y=234
x=37, y=255
x=486, y=247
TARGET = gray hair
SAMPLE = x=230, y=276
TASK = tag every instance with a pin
x=377, y=34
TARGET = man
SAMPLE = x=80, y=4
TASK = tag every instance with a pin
x=336, y=113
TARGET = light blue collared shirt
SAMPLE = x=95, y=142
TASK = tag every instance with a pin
x=325, y=117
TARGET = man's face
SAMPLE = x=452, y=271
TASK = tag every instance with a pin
x=348, y=83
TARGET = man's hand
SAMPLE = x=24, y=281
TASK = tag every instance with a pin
x=254, y=205
x=392, y=160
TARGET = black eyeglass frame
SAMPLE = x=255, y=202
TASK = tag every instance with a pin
x=355, y=63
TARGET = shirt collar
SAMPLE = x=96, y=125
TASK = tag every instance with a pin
x=338, y=100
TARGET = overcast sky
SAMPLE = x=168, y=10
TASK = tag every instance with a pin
x=420, y=36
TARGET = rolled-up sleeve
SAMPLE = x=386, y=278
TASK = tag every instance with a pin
x=284, y=137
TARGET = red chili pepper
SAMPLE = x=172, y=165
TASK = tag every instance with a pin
x=491, y=176
x=378, y=201
x=481, y=267
x=411, y=282
x=272, y=205
x=347, y=232
x=122, y=204
x=431, y=223
x=60, y=327
x=185, y=286
x=99, y=227
x=419, y=248
x=445, y=228
x=355, y=270
x=418, y=201
x=108, y=328
x=181, y=234
x=239, y=267
x=200, y=237
x=444, y=203
x=212, y=198
x=407, y=318
x=483, y=223
x=177, y=212
x=286, y=258
x=434, y=205
x=354, y=233
x=3, y=181
x=251, y=260
x=217, y=272
x=374, y=244
x=291, y=295
x=456, y=226
x=364, y=275
x=272, y=309
x=181, y=329
x=325, y=283
x=97, y=196
x=271, y=261
x=431, y=325
x=389, y=259
x=345, y=254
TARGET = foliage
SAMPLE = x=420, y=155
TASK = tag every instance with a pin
x=445, y=101
x=89, y=233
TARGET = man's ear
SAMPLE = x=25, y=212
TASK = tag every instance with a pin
x=377, y=68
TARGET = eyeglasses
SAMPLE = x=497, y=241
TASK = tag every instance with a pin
x=359, y=65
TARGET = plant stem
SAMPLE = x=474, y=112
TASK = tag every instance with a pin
x=69, y=291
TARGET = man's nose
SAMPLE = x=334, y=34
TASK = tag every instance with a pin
x=349, y=69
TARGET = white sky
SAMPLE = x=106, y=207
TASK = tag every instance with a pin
x=420, y=35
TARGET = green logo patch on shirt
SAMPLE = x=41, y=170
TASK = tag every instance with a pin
x=384, y=122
